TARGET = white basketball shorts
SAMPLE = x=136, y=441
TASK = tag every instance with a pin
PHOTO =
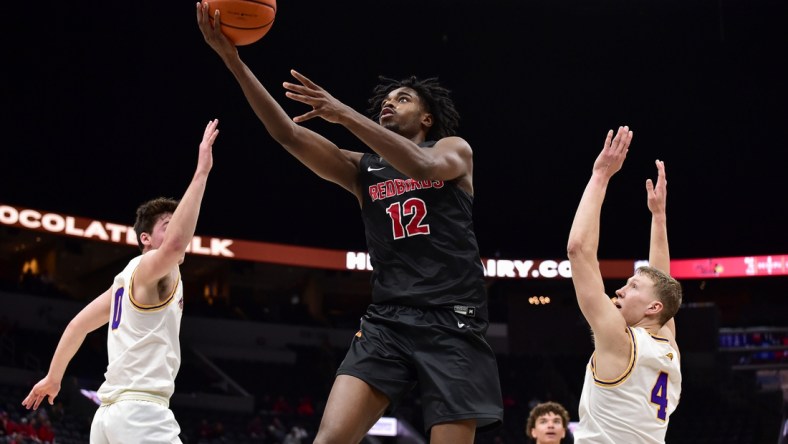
x=132, y=421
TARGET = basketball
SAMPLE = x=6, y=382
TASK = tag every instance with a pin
x=244, y=21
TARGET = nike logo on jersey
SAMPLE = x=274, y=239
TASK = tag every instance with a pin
x=670, y=356
x=369, y=168
x=460, y=324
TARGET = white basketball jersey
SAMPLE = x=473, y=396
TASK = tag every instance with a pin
x=634, y=408
x=142, y=343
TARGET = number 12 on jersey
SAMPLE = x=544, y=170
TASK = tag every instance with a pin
x=412, y=207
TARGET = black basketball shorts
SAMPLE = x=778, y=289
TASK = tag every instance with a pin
x=442, y=353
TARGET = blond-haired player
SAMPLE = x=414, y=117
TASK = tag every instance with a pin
x=633, y=379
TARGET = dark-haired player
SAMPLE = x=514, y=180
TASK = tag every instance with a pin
x=428, y=318
x=548, y=423
x=143, y=307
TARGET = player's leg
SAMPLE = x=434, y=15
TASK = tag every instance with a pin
x=457, y=432
x=374, y=375
x=142, y=422
x=458, y=376
x=97, y=435
x=352, y=409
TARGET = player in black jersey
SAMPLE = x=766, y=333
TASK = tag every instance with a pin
x=428, y=319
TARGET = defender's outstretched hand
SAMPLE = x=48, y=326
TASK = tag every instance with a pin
x=323, y=104
x=45, y=388
x=613, y=153
x=657, y=196
x=205, y=158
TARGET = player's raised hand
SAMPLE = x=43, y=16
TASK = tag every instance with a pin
x=614, y=151
x=323, y=104
x=213, y=33
x=205, y=158
x=657, y=195
x=45, y=388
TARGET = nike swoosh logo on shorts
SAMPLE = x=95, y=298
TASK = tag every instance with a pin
x=369, y=168
x=460, y=324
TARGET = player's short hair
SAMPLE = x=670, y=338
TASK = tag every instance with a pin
x=434, y=96
x=667, y=290
x=150, y=212
x=543, y=409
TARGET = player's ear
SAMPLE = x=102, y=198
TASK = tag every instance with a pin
x=427, y=120
x=145, y=239
x=654, y=307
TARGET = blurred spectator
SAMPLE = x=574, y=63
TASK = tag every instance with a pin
x=281, y=406
x=25, y=429
x=295, y=436
x=205, y=431
x=277, y=430
x=45, y=432
x=4, y=424
x=305, y=406
x=256, y=429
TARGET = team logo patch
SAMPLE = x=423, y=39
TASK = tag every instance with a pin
x=465, y=310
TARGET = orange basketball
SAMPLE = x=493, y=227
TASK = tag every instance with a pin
x=244, y=21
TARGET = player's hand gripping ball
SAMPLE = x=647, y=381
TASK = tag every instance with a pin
x=243, y=21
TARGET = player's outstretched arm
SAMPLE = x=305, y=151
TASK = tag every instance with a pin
x=93, y=316
x=659, y=251
x=450, y=158
x=316, y=152
x=607, y=324
x=161, y=262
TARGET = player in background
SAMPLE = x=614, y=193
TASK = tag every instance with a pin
x=548, y=423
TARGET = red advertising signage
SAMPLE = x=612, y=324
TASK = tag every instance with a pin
x=322, y=258
x=728, y=267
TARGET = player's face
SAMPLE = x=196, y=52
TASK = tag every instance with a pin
x=549, y=428
x=634, y=298
x=402, y=111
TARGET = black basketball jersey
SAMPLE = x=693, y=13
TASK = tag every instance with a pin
x=420, y=238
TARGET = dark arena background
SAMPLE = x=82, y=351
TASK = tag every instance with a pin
x=104, y=106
